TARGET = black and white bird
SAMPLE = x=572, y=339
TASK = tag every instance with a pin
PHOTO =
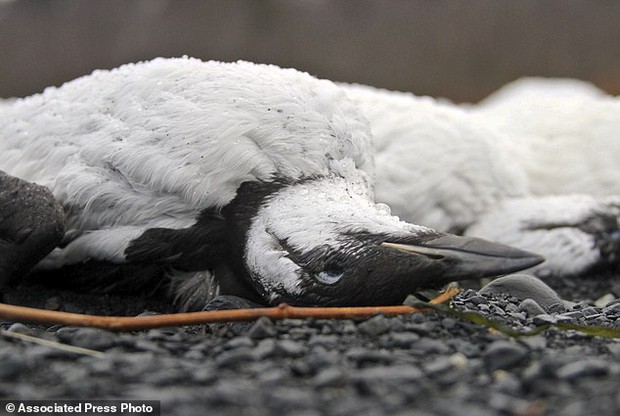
x=533, y=166
x=230, y=178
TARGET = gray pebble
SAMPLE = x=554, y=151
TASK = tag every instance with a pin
x=556, y=308
x=544, y=319
x=506, y=382
x=380, y=374
x=235, y=357
x=614, y=349
x=363, y=356
x=501, y=355
x=531, y=307
x=262, y=328
x=537, y=342
x=583, y=368
x=18, y=328
x=438, y=366
x=522, y=287
x=12, y=364
x=239, y=342
x=428, y=346
x=292, y=398
x=403, y=339
x=265, y=348
x=287, y=348
x=324, y=340
x=374, y=326
x=91, y=338
x=328, y=377
x=468, y=349
x=590, y=312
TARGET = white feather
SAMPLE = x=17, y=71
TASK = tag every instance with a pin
x=435, y=165
x=566, y=133
x=155, y=143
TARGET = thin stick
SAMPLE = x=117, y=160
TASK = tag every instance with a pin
x=52, y=344
x=283, y=311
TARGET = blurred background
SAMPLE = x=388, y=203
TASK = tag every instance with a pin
x=457, y=49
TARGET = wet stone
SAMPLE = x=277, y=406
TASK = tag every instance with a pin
x=531, y=307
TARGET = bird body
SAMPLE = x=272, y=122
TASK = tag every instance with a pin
x=565, y=132
x=435, y=164
x=509, y=170
x=161, y=141
x=252, y=178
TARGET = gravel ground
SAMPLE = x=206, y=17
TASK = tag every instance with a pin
x=423, y=364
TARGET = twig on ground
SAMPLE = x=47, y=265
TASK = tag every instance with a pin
x=123, y=323
x=52, y=344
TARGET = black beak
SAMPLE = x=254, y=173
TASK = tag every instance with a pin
x=470, y=258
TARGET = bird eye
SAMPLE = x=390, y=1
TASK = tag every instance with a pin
x=332, y=273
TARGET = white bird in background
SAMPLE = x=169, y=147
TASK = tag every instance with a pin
x=502, y=170
x=242, y=179
x=566, y=133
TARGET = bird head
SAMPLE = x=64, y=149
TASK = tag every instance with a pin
x=322, y=241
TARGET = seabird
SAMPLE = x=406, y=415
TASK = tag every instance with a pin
x=232, y=178
x=565, y=132
x=446, y=166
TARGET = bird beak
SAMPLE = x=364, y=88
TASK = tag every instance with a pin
x=469, y=257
